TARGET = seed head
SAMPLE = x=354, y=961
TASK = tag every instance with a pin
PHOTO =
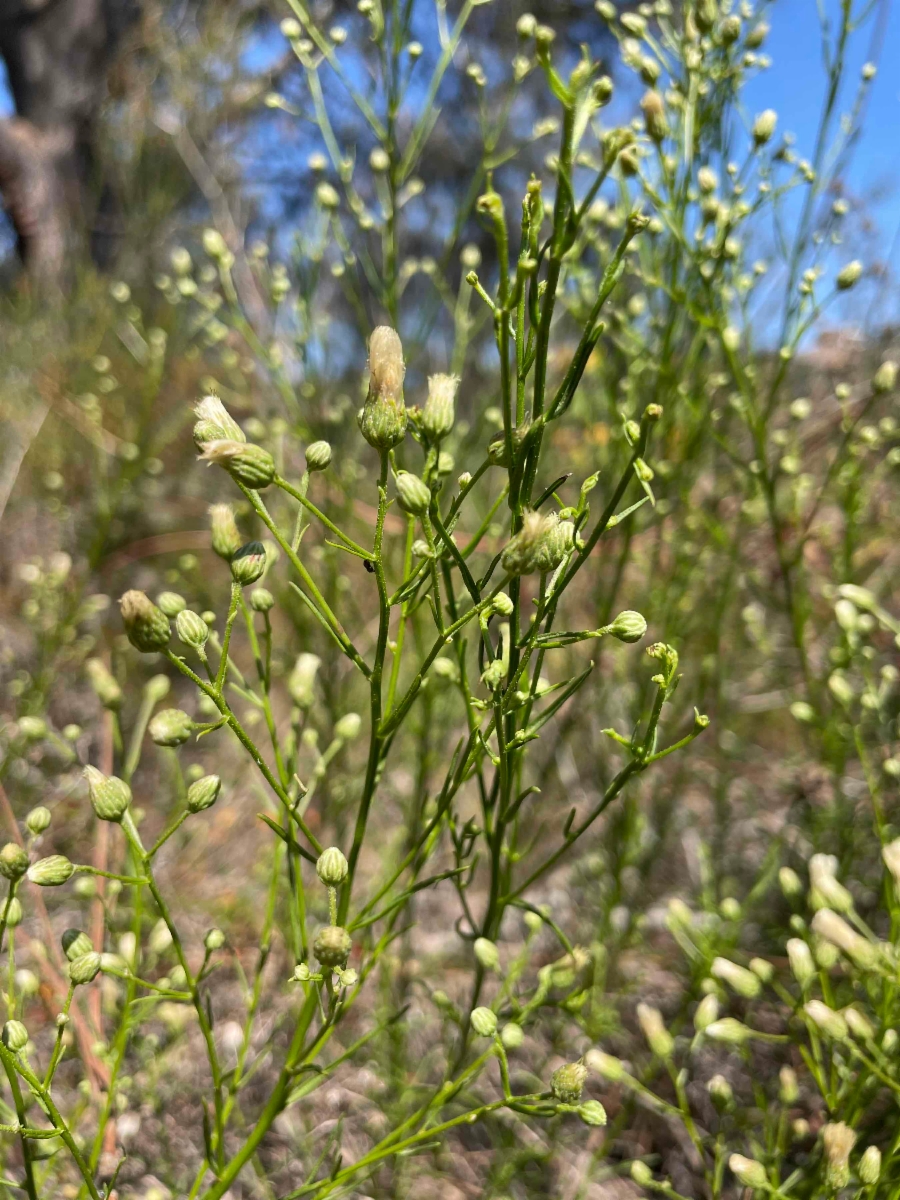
x=483, y=1022
x=104, y=684
x=13, y=861
x=331, y=867
x=110, y=796
x=567, y=1083
x=15, y=1036
x=203, y=793
x=250, y=465
x=224, y=532
x=332, y=946
x=838, y=1140
x=147, y=626
x=215, y=423
x=248, y=563
x=439, y=411
x=51, y=871
x=171, y=727
x=318, y=456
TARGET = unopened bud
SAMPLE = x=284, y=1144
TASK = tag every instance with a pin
x=764, y=126
x=413, y=494
x=214, y=940
x=192, y=630
x=439, y=411
x=348, y=727
x=720, y=1092
x=171, y=727
x=654, y=111
x=15, y=1036
x=104, y=684
x=789, y=882
x=224, y=532
x=85, y=968
x=870, y=1166
x=744, y=982
x=14, y=912
x=826, y=1019
x=658, y=1037
x=318, y=456
x=849, y=275
x=512, y=1036
x=261, y=600
x=885, y=377
x=788, y=1087
x=110, y=796
x=38, y=820
x=604, y=1064
x=49, y=872
x=301, y=681
x=629, y=626
x=13, y=861
x=147, y=626
x=801, y=961
x=707, y=1011
x=748, y=1171
x=331, y=867
x=487, y=954
x=248, y=563
x=484, y=1022
x=203, y=793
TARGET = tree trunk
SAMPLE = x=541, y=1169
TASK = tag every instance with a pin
x=57, y=55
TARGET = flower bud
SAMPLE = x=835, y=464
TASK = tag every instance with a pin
x=838, y=1140
x=215, y=423
x=203, y=793
x=484, y=1022
x=764, y=126
x=629, y=626
x=248, y=563
x=171, y=727
x=38, y=820
x=110, y=796
x=512, y=1036
x=15, y=1036
x=529, y=550
x=224, y=532
x=250, y=465
x=439, y=411
x=14, y=912
x=826, y=1019
x=654, y=111
x=849, y=275
x=302, y=678
x=720, y=1092
x=788, y=1089
x=706, y=1012
x=331, y=867
x=261, y=600
x=147, y=626
x=729, y=1031
x=602, y=91
x=348, y=727
x=744, y=982
x=834, y=929
x=885, y=377
x=824, y=889
x=801, y=961
x=382, y=419
x=13, y=861
x=860, y=1026
x=104, y=684
x=789, y=882
x=730, y=29
x=487, y=954
x=762, y=969
x=658, y=1037
x=171, y=603
x=318, y=456
x=567, y=1083
x=192, y=630
x=641, y=1173
x=611, y=1068
x=85, y=968
x=757, y=36
x=748, y=1171
x=214, y=940
x=870, y=1166
x=332, y=946
x=592, y=1112
x=51, y=871
x=413, y=494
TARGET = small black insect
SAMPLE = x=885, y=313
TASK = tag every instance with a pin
x=370, y=566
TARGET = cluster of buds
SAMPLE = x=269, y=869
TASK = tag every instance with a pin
x=383, y=417
x=540, y=545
